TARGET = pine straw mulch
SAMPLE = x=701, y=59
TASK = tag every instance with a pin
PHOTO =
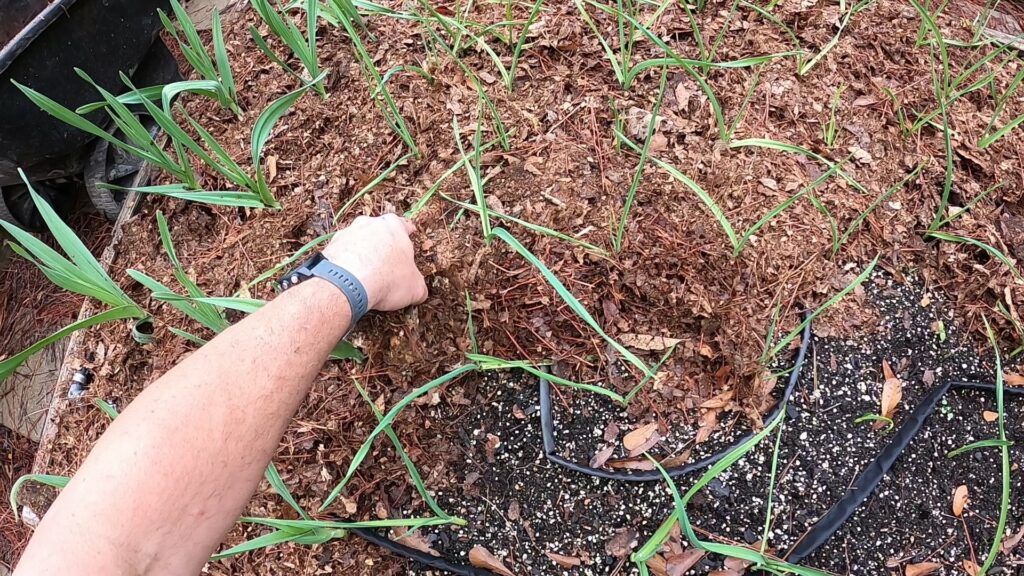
x=675, y=276
x=32, y=307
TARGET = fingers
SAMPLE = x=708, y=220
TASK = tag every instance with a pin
x=423, y=293
x=407, y=224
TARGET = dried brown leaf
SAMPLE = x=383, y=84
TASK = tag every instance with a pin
x=922, y=568
x=657, y=565
x=1011, y=379
x=679, y=564
x=482, y=558
x=720, y=401
x=640, y=436
x=491, y=446
x=622, y=543
x=631, y=464
x=415, y=540
x=513, y=511
x=971, y=568
x=1010, y=542
x=518, y=412
x=602, y=456
x=563, y=560
x=892, y=393
x=739, y=564
x=680, y=459
x=611, y=432
x=959, y=500
x=708, y=423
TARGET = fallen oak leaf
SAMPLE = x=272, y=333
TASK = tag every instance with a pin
x=959, y=500
x=640, y=436
x=922, y=568
x=892, y=393
x=563, y=560
x=611, y=432
x=482, y=558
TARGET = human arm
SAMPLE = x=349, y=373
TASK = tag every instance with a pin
x=173, y=472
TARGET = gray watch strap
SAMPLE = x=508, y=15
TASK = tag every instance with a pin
x=347, y=283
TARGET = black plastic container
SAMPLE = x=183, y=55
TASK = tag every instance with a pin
x=43, y=42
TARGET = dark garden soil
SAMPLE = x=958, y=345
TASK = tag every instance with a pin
x=675, y=277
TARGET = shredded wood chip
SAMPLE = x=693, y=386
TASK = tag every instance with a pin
x=959, y=500
x=648, y=341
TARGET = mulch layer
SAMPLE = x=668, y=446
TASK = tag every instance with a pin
x=675, y=277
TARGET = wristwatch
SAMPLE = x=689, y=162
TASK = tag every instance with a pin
x=319, y=267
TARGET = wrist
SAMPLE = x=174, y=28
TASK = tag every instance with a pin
x=331, y=305
x=340, y=281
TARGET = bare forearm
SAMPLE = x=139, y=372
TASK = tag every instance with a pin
x=182, y=460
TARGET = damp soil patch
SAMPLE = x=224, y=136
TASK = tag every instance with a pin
x=909, y=519
x=823, y=449
x=522, y=507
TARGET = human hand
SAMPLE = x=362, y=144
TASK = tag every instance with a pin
x=380, y=254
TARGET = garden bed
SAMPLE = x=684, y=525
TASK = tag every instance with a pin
x=675, y=277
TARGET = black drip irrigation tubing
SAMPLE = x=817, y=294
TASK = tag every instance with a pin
x=872, y=475
x=547, y=427
x=427, y=560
